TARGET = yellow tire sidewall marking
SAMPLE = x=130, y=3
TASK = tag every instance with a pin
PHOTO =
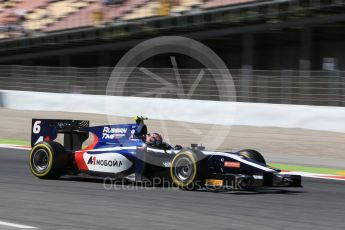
x=245, y=154
x=175, y=180
x=50, y=162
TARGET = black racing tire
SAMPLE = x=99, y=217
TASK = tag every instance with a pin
x=48, y=160
x=253, y=155
x=188, y=170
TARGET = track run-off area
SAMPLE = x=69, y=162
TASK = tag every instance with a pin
x=84, y=203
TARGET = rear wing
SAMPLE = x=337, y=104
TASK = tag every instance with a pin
x=75, y=132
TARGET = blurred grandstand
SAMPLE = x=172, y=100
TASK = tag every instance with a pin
x=27, y=16
x=299, y=42
x=247, y=34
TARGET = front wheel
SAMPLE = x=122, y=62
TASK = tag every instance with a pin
x=47, y=160
x=253, y=155
x=188, y=171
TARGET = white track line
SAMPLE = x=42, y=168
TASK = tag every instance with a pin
x=14, y=146
x=8, y=224
x=316, y=175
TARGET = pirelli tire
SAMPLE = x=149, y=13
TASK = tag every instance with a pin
x=253, y=155
x=48, y=160
x=188, y=170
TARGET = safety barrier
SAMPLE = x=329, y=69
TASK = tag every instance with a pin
x=324, y=118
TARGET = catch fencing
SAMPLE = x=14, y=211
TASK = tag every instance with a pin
x=321, y=88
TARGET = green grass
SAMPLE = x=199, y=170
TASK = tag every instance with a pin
x=309, y=169
x=14, y=142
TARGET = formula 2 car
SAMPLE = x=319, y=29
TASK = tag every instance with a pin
x=118, y=151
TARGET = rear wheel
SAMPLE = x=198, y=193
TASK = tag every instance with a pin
x=188, y=170
x=253, y=155
x=47, y=160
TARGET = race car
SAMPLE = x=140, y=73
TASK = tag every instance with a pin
x=119, y=151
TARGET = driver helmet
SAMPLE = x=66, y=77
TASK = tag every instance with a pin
x=154, y=139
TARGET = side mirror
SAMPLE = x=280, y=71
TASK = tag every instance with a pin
x=198, y=147
x=194, y=146
x=178, y=147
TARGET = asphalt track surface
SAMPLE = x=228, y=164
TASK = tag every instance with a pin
x=85, y=204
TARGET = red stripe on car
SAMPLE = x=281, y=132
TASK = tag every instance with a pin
x=79, y=155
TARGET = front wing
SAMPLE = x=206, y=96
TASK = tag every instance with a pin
x=245, y=181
